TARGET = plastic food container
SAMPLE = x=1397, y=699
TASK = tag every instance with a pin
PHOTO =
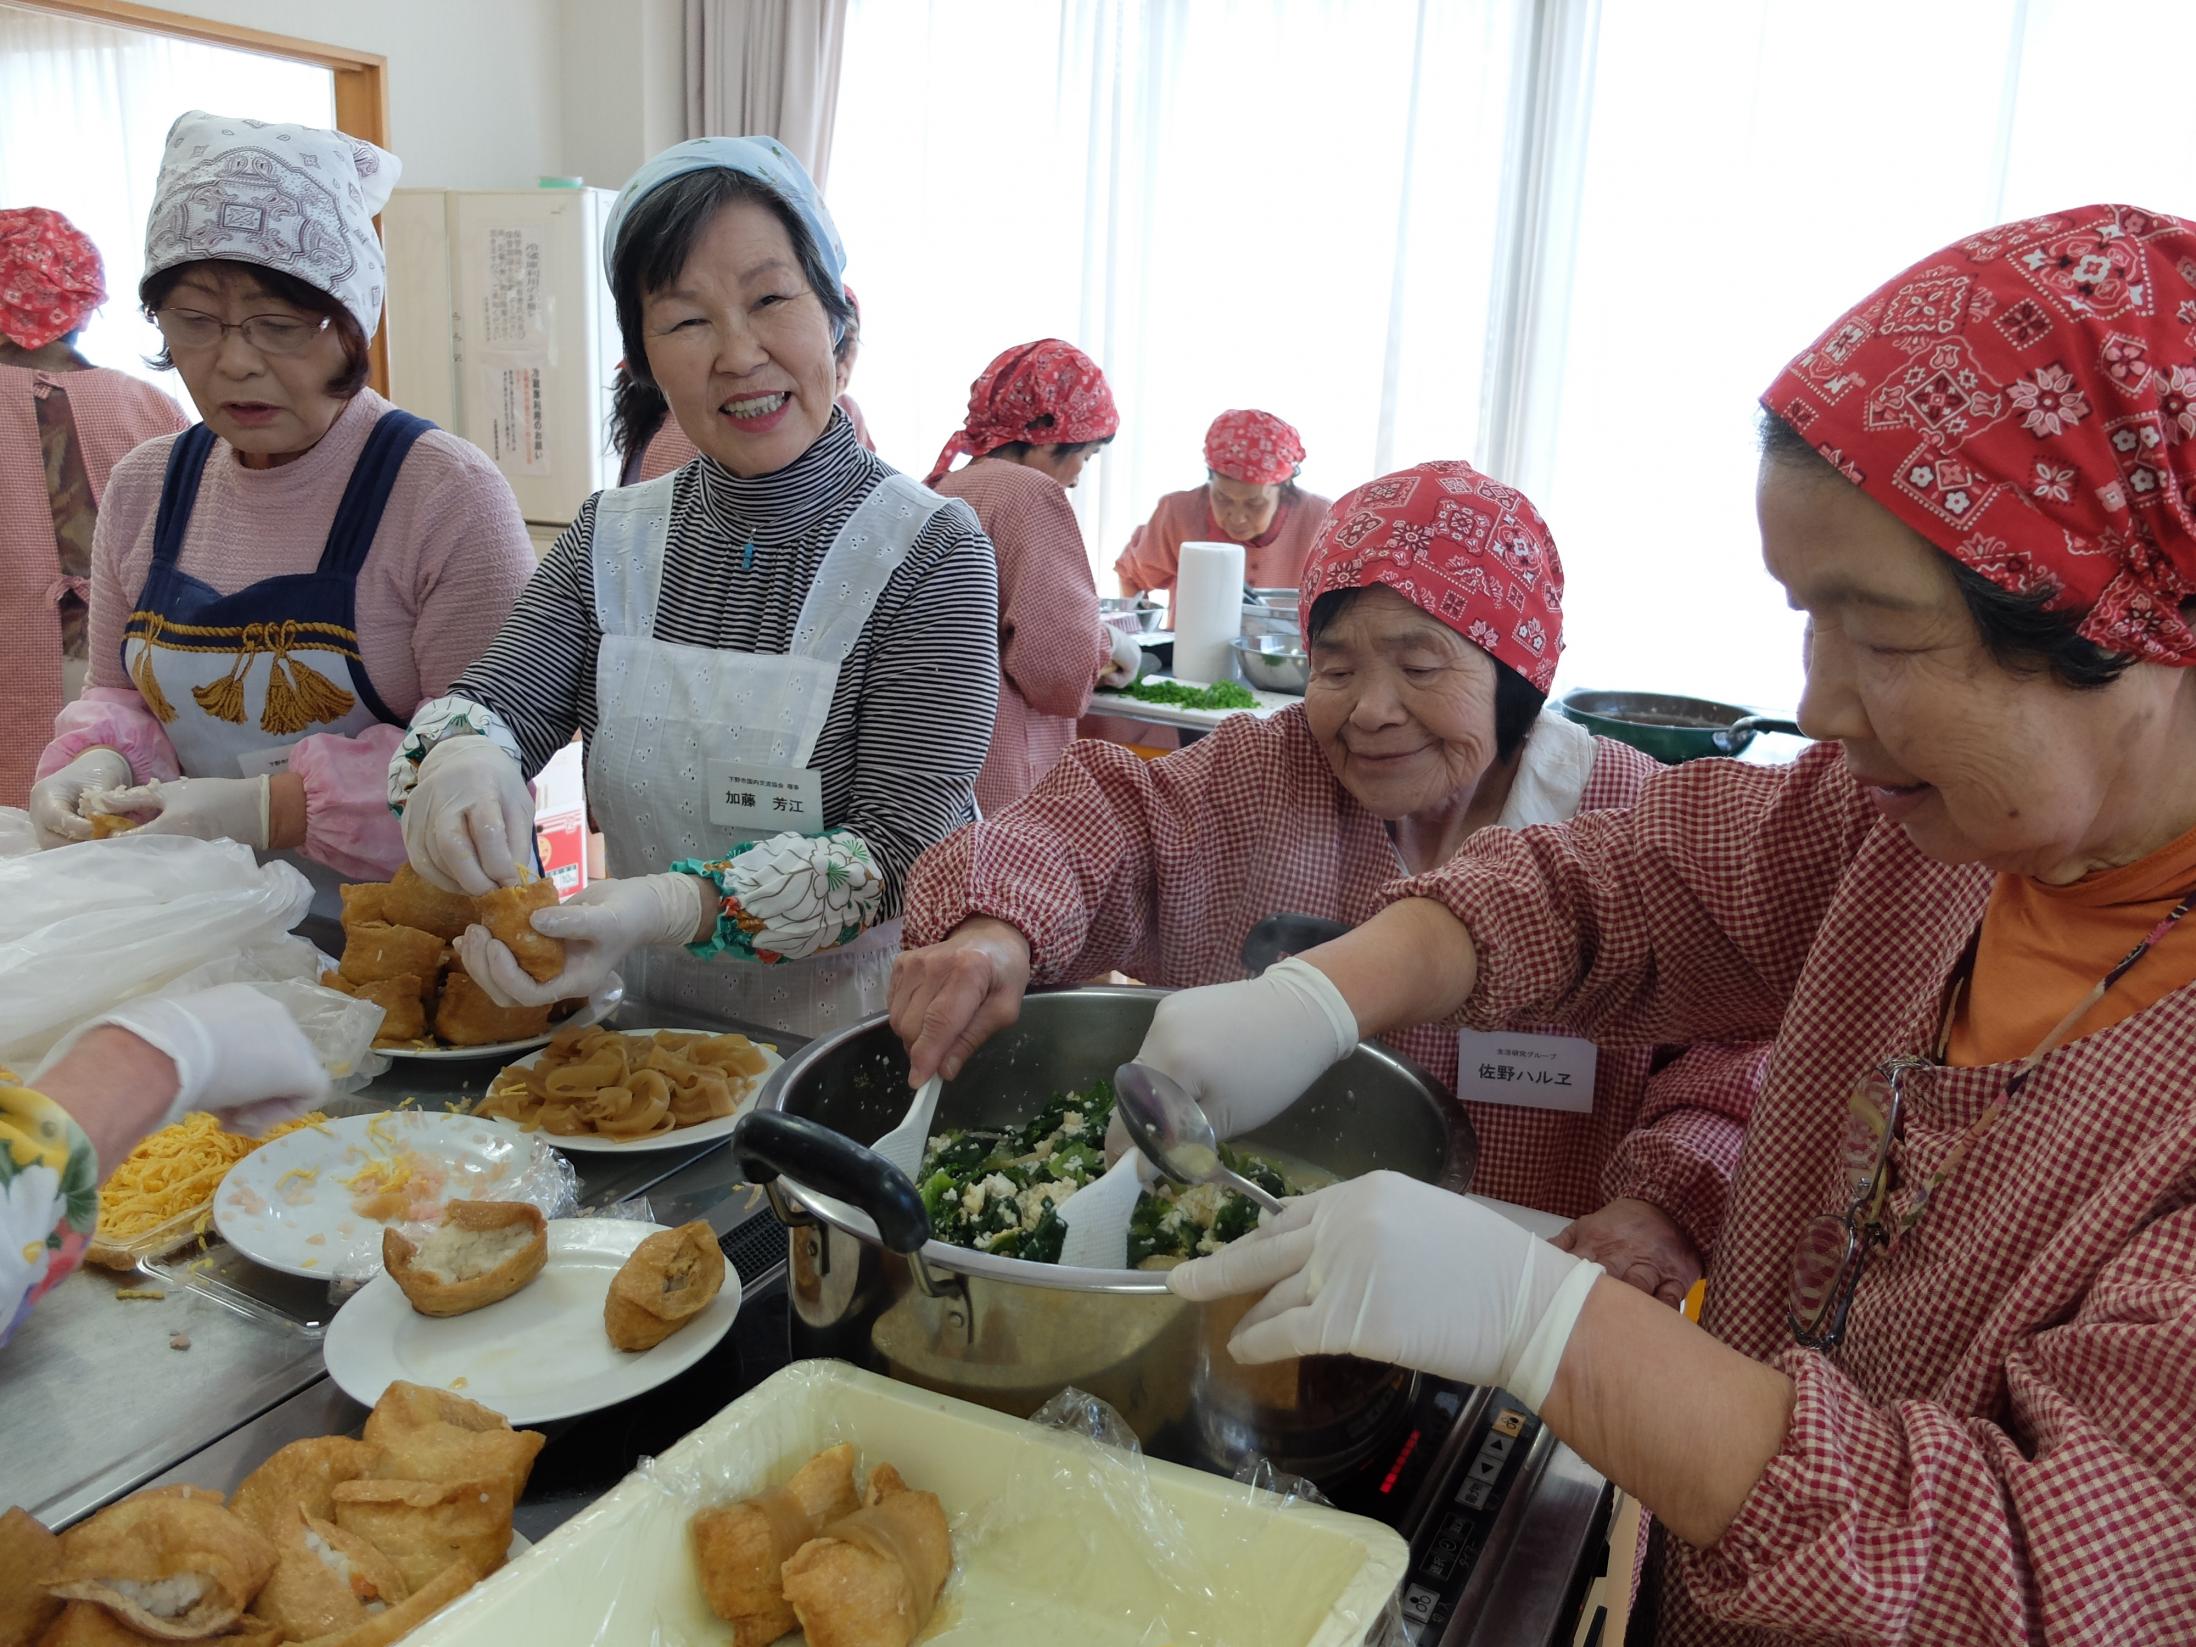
x=1056, y=1536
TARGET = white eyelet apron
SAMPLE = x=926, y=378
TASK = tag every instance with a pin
x=666, y=710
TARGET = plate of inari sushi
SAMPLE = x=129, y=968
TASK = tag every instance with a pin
x=396, y=953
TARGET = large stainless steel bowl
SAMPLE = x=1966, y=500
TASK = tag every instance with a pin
x=1146, y=612
x=1278, y=663
x=1011, y=1333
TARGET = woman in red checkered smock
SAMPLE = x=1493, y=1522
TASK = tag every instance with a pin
x=1250, y=496
x=1422, y=724
x=64, y=424
x=1946, y=1390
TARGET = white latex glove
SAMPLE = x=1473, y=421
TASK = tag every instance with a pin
x=207, y=809
x=1396, y=1270
x=1247, y=1051
x=235, y=1051
x=469, y=824
x=602, y=924
x=1128, y=657
x=54, y=801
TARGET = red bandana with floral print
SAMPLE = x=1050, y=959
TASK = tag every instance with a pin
x=1256, y=448
x=2026, y=400
x=51, y=277
x=1047, y=393
x=1470, y=551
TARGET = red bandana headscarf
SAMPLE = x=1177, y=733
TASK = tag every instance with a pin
x=1254, y=447
x=1472, y=552
x=51, y=277
x=2026, y=400
x=1047, y=393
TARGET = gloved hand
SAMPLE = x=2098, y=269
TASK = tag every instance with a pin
x=600, y=926
x=469, y=823
x=1128, y=658
x=54, y=800
x=1396, y=1270
x=207, y=809
x=234, y=1050
x=1247, y=1051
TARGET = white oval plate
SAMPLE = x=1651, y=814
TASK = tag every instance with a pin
x=309, y=1227
x=537, y=1356
x=599, y=1006
x=588, y=1143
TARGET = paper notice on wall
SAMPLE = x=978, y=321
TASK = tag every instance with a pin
x=515, y=317
x=518, y=438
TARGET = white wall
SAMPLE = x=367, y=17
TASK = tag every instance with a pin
x=474, y=88
x=623, y=85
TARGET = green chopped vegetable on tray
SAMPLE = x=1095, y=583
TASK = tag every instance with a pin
x=1219, y=695
x=999, y=1191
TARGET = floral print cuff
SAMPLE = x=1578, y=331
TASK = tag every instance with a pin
x=791, y=896
x=49, y=1198
x=433, y=719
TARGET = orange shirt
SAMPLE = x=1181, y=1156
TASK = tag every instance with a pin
x=2043, y=947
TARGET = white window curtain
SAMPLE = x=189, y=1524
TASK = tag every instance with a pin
x=766, y=68
x=84, y=114
x=1568, y=240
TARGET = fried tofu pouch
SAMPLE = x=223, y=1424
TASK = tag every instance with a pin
x=302, y=1477
x=107, y=825
x=508, y=914
x=424, y=1434
x=466, y=1017
x=173, y=1567
x=426, y=1526
x=413, y=900
x=364, y=902
x=403, y=1003
x=481, y=1253
x=740, y=1548
x=378, y=950
x=873, y=1579
x=327, y=1580
x=29, y=1558
x=669, y=1280
x=86, y=1624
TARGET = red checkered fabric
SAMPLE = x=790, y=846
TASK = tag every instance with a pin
x=1254, y=447
x=1052, y=644
x=2026, y=400
x=51, y=276
x=2004, y=1448
x=1470, y=551
x=1048, y=393
x=1160, y=869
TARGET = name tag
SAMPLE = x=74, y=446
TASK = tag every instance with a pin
x=264, y=763
x=765, y=800
x=1526, y=1071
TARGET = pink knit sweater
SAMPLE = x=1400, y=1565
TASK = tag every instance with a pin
x=113, y=412
x=447, y=564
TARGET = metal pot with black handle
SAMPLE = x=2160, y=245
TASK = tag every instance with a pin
x=1671, y=729
x=870, y=1287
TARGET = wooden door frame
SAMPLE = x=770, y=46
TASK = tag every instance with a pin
x=361, y=83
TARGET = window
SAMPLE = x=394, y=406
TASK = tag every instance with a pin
x=1570, y=241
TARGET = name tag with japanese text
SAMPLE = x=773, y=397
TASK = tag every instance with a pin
x=765, y=800
x=1526, y=1071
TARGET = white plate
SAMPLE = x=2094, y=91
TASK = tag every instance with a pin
x=537, y=1356
x=309, y=1227
x=599, y=1006
x=682, y=1138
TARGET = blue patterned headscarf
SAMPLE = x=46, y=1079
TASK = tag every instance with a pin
x=764, y=159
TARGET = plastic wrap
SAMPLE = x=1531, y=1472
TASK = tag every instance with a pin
x=1061, y=1533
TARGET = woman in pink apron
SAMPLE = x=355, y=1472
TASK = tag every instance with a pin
x=276, y=589
x=782, y=657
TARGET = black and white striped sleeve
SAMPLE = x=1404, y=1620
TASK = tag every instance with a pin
x=533, y=672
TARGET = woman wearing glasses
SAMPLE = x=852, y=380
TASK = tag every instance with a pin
x=1944, y=1393
x=276, y=589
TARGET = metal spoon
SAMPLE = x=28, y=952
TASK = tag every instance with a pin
x=1175, y=1135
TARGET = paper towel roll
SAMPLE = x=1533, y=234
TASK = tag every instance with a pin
x=1208, y=610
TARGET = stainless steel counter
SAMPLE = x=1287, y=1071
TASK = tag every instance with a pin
x=135, y=1408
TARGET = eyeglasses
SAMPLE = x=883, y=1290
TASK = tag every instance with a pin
x=269, y=334
x=1833, y=1249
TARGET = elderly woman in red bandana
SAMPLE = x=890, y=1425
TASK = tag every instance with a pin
x=64, y=424
x=1037, y=414
x=1433, y=608
x=1941, y=1390
x=1250, y=496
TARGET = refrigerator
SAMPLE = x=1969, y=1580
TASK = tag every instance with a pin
x=501, y=329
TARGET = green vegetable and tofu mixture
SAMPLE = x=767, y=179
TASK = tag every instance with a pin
x=1000, y=1192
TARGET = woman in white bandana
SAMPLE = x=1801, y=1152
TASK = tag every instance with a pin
x=275, y=590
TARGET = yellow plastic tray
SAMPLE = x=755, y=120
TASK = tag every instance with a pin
x=1056, y=1539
